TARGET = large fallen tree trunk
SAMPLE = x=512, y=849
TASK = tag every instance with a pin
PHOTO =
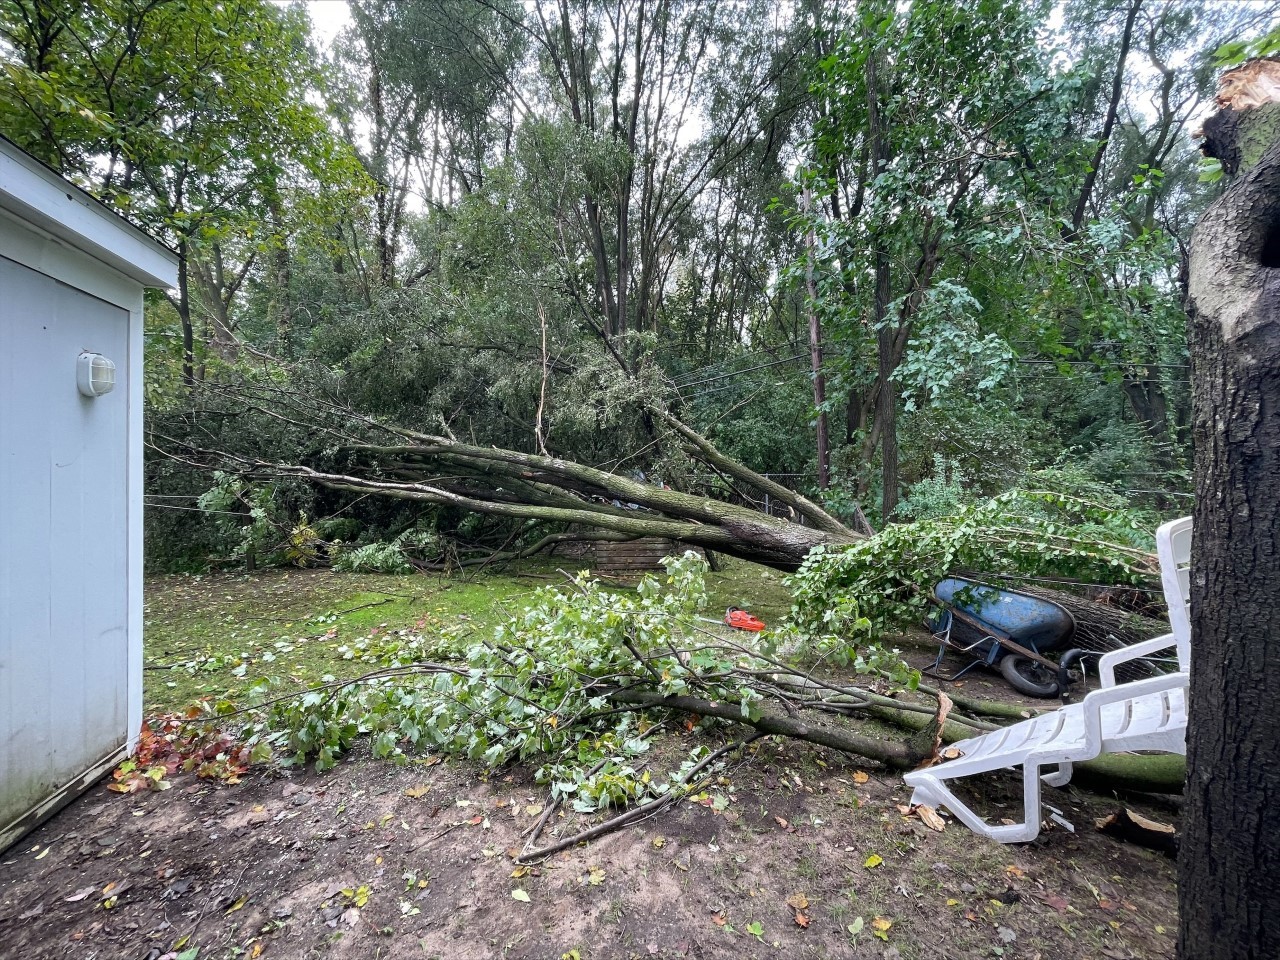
x=391, y=461
x=531, y=486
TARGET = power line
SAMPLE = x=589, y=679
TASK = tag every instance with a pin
x=734, y=373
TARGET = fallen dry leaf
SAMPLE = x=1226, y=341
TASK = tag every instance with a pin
x=802, y=919
x=414, y=793
x=1014, y=870
x=930, y=818
x=1057, y=902
x=113, y=890
x=80, y=894
x=520, y=895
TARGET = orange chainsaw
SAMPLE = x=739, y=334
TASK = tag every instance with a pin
x=741, y=620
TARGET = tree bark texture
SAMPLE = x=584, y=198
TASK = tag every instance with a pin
x=1229, y=866
x=815, y=356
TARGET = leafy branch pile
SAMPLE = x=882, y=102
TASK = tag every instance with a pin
x=583, y=680
x=551, y=685
x=885, y=582
x=579, y=682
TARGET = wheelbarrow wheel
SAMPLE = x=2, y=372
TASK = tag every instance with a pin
x=1027, y=676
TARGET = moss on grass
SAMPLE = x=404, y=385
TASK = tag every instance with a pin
x=213, y=635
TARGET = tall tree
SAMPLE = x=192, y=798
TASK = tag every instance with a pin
x=427, y=100
x=1229, y=862
x=919, y=176
x=191, y=117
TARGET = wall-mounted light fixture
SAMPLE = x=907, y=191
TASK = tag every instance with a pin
x=95, y=374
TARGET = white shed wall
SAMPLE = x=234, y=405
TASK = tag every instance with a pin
x=70, y=525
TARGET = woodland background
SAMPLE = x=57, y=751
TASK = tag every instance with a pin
x=898, y=258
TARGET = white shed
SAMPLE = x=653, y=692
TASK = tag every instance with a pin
x=71, y=280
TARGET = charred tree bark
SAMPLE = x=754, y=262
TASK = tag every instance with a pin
x=1229, y=865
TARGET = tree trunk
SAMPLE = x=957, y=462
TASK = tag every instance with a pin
x=1229, y=865
x=184, y=314
x=886, y=399
x=815, y=357
x=1113, y=111
x=511, y=483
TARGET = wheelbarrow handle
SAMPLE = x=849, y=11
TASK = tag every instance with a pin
x=996, y=634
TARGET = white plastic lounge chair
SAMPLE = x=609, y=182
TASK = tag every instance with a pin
x=1148, y=714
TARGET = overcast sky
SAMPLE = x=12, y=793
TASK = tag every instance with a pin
x=327, y=18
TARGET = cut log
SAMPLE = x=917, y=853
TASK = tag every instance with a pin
x=1132, y=827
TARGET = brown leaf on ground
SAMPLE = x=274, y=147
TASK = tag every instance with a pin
x=930, y=817
x=1055, y=901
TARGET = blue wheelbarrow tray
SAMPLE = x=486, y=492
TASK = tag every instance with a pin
x=1040, y=625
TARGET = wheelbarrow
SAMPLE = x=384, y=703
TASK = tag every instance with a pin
x=1005, y=630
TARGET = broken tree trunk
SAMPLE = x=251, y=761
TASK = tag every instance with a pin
x=1149, y=774
x=1229, y=862
x=493, y=480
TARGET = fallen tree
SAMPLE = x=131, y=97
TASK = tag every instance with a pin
x=361, y=455
x=583, y=679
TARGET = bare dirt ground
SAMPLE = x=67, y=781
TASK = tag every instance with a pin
x=794, y=852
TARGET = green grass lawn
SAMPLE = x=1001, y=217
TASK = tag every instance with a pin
x=214, y=635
